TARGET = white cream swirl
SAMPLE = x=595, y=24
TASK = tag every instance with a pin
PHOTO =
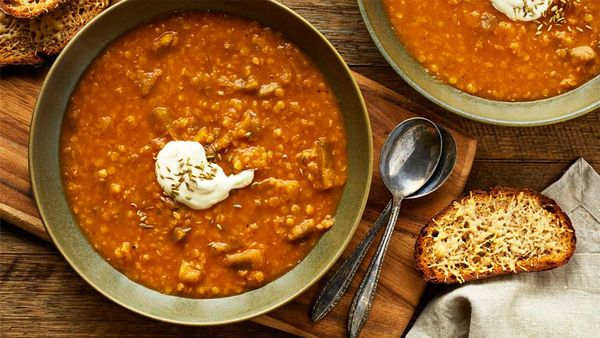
x=522, y=10
x=185, y=174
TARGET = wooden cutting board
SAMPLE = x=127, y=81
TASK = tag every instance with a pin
x=400, y=285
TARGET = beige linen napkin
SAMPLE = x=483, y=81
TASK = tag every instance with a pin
x=564, y=302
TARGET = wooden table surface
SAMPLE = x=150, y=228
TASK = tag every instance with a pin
x=518, y=157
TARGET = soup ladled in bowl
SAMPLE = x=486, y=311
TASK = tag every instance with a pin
x=203, y=173
x=509, y=62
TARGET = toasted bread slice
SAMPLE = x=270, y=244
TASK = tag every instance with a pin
x=487, y=234
x=16, y=45
x=28, y=8
x=21, y=40
x=51, y=32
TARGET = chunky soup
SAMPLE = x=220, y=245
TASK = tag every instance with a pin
x=266, y=154
x=473, y=46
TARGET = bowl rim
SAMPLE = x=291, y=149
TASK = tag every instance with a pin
x=480, y=100
x=362, y=200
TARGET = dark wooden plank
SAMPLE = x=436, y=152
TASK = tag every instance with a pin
x=519, y=174
x=16, y=241
x=341, y=23
x=562, y=142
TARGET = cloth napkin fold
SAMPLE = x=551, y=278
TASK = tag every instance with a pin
x=564, y=302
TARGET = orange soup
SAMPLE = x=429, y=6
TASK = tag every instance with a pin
x=256, y=105
x=471, y=45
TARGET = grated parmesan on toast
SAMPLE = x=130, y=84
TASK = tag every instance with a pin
x=494, y=233
x=22, y=40
x=28, y=8
x=16, y=45
x=54, y=30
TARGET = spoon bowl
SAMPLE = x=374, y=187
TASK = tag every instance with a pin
x=410, y=155
x=443, y=169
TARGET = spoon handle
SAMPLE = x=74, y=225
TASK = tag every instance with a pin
x=361, y=304
x=337, y=285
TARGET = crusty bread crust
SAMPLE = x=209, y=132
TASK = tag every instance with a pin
x=424, y=261
x=54, y=30
x=16, y=45
x=28, y=9
x=22, y=40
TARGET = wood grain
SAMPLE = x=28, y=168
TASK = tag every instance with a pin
x=397, y=297
x=508, y=156
x=563, y=142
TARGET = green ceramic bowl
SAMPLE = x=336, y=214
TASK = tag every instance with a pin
x=519, y=114
x=64, y=230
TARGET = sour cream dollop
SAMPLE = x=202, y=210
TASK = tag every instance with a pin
x=185, y=174
x=522, y=10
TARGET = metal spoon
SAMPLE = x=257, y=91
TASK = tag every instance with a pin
x=408, y=159
x=444, y=167
x=337, y=285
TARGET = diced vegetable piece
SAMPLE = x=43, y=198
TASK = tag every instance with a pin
x=250, y=258
x=305, y=228
x=251, y=124
x=165, y=119
x=583, y=54
x=163, y=115
x=124, y=251
x=255, y=278
x=145, y=80
x=190, y=272
x=322, y=173
x=302, y=230
x=326, y=223
x=268, y=89
x=220, y=247
x=179, y=233
x=250, y=84
x=290, y=186
x=166, y=39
